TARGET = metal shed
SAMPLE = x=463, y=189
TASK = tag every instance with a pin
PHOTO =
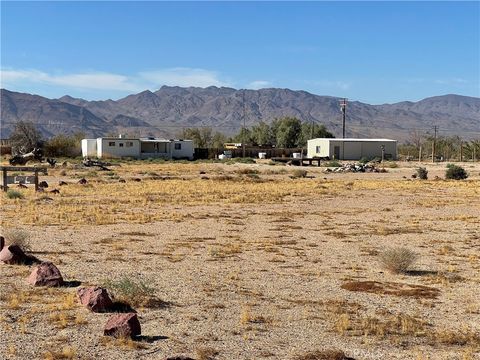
x=352, y=149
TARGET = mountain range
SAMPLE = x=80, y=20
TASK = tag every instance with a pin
x=170, y=109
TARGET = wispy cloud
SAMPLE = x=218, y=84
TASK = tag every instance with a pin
x=439, y=81
x=88, y=80
x=331, y=84
x=181, y=76
x=451, y=81
x=103, y=81
x=259, y=84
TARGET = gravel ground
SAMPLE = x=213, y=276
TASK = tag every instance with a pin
x=254, y=281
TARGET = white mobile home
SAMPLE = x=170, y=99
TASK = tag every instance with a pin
x=112, y=147
x=352, y=149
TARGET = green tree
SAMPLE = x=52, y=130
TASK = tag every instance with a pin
x=262, y=134
x=287, y=132
x=244, y=136
x=319, y=131
x=203, y=137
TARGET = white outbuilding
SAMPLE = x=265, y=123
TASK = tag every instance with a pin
x=352, y=149
x=118, y=147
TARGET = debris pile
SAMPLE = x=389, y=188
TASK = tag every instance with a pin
x=353, y=167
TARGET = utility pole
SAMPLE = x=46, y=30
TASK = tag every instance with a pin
x=244, y=128
x=461, y=151
x=343, y=108
x=434, y=142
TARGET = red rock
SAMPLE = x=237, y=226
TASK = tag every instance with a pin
x=95, y=298
x=45, y=274
x=123, y=325
x=13, y=254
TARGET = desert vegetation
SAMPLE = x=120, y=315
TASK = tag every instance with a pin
x=248, y=260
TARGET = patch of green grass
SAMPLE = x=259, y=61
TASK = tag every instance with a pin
x=14, y=194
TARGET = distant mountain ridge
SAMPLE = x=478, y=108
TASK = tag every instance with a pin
x=166, y=111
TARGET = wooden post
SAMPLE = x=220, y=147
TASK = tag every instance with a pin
x=4, y=179
x=461, y=151
x=420, y=154
x=36, y=180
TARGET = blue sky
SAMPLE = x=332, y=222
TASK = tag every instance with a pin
x=374, y=52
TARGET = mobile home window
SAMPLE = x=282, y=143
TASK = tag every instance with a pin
x=121, y=144
x=129, y=144
x=317, y=150
x=178, y=146
x=111, y=143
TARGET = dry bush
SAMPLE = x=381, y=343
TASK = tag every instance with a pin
x=323, y=355
x=134, y=291
x=392, y=288
x=19, y=237
x=398, y=260
x=206, y=353
x=298, y=173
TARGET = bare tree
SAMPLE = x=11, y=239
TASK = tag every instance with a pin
x=25, y=137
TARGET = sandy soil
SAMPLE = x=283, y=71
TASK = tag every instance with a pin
x=255, y=278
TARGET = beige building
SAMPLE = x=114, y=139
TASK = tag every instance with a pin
x=352, y=149
x=118, y=147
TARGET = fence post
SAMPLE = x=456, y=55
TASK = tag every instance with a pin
x=4, y=179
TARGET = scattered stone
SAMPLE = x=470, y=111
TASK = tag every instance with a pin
x=40, y=189
x=61, y=183
x=202, y=172
x=82, y=181
x=55, y=191
x=2, y=242
x=414, y=176
x=43, y=184
x=22, y=186
x=95, y=298
x=64, y=164
x=13, y=254
x=136, y=179
x=45, y=274
x=178, y=357
x=123, y=325
x=122, y=180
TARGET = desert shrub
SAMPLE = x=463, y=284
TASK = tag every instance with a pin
x=14, y=194
x=390, y=164
x=364, y=160
x=455, y=172
x=322, y=355
x=18, y=237
x=63, y=145
x=247, y=171
x=422, y=173
x=134, y=291
x=332, y=163
x=298, y=173
x=398, y=260
x=246, y=160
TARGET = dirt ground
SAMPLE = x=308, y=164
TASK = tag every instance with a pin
x=250, y=261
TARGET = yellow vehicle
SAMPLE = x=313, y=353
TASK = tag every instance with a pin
x=232, y=145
